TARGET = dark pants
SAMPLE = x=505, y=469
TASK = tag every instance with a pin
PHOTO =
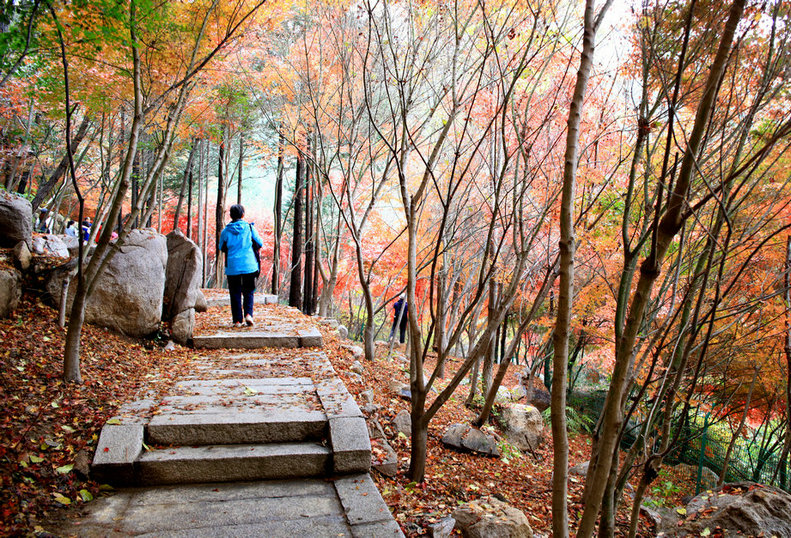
x=401, y=327
x=242, y=290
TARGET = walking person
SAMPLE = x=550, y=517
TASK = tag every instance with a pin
x=240, y=242
x=399, y=311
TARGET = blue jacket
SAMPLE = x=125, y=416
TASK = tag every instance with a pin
x=237, y=241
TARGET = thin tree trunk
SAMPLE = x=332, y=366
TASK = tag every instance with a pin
x=295, y=292
x=787, y=349
x=219, y=213
x=187, y=180
x=278, y=211
x=560, y=443
x=307, y=299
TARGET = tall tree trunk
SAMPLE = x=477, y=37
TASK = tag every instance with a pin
x=560, y=443
x=196, y=146
x=278, y=220
x=295, y=292
x=187, y=180
x=219, y=213
x=307, y=296
x=488, y=359
x=787, y=349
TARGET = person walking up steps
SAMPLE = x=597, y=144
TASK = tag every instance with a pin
x=240, y=242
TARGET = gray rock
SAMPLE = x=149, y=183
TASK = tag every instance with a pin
x=182, y=277
x=182, y=326
x=201, y=304
x=357, y=368
x=581, y=469
x=357, y=351
x=403, y=422
x=10, y=291
x=384, y=459
x=50, y=245
x=465, y=437
x=523, y=425
x=343, y=332
x=127, y=296
x=442, y=528
x=489, y=517
x=375, y=430
x=742, y=508
x=22, y=255
x=368, y=396
x=708, y=478
x=16, y=220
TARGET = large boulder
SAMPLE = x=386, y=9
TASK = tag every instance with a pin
x=742, y=508
x=16, y=220
x=465, y=437
x=182, y=285
x=489, y=517
x=10, y=290
x=523, y=425
x=128, y=295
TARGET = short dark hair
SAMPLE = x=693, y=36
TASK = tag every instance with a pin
x=237, y=211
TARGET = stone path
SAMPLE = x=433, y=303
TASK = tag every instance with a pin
x=248, y=444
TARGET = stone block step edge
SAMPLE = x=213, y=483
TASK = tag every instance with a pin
x=232, y=463
x=365, y=509
x=232, y=429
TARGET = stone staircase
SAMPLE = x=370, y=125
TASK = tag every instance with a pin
x=263, y=442
x=233, y=427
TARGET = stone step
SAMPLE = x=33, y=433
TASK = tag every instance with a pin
x=254, y=339
x=230, y=463
x=226, y=427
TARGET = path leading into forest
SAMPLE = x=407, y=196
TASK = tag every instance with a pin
x=260, y=439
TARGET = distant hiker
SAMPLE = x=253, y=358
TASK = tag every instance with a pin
x=399, y=308
x=240, y=242
x=71, y=229
x=41, y=224
x=86, y=228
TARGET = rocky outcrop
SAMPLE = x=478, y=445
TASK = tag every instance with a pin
x=490, y=517
x=10, y=290
x=16, y=220
x=742, y=508
x=465, y=437
x=182, y=285
x=523, y=425
x=50, y=246
x=127, y=296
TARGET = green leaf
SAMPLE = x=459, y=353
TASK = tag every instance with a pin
x=68, y=429
x=249, y=392
x=682, y=511
x=114, y=421
x=146, y=447
x=35, y=459
x=61, y=499
x=65, y=469
x=86, y=495
x=705, y=532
